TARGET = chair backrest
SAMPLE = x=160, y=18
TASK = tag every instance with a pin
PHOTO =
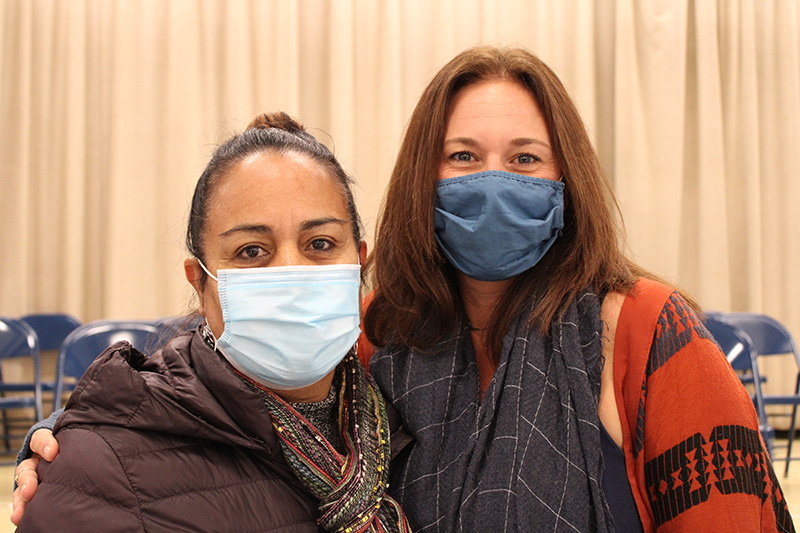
x=735, y=344
x=17, y=339
x=171, y=326
x=769, y=336
x=83, y=345
x=51, y=328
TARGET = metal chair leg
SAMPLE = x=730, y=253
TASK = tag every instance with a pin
x=791, y=430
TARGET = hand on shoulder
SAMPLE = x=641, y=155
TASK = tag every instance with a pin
x=43, y=446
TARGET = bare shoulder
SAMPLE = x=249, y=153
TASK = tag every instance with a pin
x=607, y=408
x=609, y=313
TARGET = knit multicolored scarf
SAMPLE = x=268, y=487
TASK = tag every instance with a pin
x=352, y=486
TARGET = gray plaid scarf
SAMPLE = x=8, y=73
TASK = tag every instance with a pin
x=528, y=457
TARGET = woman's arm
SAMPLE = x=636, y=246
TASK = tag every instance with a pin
x=86, y=489
x=696, y=447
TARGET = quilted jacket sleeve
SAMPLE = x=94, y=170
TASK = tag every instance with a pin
x=83, y=489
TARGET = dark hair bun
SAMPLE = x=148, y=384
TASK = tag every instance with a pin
x=279, y=120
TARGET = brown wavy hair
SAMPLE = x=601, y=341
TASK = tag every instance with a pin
x=416, y=299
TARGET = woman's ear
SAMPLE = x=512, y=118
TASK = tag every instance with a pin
x=362, y=252
x=194, y=275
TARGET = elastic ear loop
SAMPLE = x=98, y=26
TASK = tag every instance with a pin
x=207, y=271
x=206, y=327
x=355, y=346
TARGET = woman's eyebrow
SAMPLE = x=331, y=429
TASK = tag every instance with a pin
x=520, y=141
x=466, y=141
x=247, y=228
x=266, y=230
x=523, y=141
x=311, y=224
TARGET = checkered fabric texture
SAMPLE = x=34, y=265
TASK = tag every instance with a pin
x=526, y=458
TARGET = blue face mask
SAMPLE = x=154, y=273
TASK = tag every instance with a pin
x=287, y=327
x=494, y=225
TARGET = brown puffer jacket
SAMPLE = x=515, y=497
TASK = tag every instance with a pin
x=173, y=442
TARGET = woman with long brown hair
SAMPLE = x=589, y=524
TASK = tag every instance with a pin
x=549, y=382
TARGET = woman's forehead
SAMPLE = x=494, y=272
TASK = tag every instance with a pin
x=276, y=187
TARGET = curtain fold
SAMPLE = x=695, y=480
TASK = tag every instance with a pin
x=111, y=108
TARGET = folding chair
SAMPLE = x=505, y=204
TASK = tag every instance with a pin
x=738, y=350
x=18, y=341
x=770, y=338
x=171, y=326
x=83, y=345
x=51, y=328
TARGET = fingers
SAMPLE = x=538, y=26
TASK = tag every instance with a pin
x=18, y=506
x=45, y=444
x=27, y=482
x=26, y=477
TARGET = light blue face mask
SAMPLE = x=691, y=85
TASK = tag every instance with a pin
x=494, y=225
x=287, y=327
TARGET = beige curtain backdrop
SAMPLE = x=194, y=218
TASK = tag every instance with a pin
x=110, y=108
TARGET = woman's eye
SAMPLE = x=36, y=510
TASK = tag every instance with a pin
x=251, y=252
x=321, y=245
x=463, y=157
x=527, y=159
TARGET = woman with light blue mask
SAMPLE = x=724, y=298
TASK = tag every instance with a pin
x=549, y=382
x=262, y=419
